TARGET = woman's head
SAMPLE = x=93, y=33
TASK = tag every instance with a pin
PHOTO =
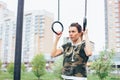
x=75, y=31
x=78, y=26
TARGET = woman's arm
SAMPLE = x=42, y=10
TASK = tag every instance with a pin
x=56, y=51
x=88, y=48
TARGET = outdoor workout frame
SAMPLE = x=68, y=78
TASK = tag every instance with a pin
x=18, y=44
x=58, y=22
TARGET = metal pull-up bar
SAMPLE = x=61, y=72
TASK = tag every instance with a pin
x=18, y=44
x=85, y=18
x=58, y=23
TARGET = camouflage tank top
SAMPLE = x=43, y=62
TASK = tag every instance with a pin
x=74, y=61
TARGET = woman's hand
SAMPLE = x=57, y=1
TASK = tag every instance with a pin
x=58, y=35
x=88, y=48
x=85, y=34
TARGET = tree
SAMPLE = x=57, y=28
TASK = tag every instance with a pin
x=23, y=67
x=102, y=65
x=38, y=65
x=0, y=65
x=57, y=67
x=10, y=68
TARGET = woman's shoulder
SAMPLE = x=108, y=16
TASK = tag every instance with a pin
x=67, y=44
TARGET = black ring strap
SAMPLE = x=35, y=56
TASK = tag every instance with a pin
x=53, y=26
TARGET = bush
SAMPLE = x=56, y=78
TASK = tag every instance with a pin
x=102, y=65
x=38, y=65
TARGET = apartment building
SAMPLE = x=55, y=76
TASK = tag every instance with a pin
x=7, y=26
x=112, y=25
x=37, y=34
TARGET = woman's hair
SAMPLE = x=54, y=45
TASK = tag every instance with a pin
x=78, y=26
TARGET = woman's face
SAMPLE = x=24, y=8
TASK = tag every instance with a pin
x=74, y=34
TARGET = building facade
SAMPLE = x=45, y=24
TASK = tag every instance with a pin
x=37, y=34
x=7, y=31
x=112, y=25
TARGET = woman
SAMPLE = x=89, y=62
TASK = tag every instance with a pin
x=76, y=53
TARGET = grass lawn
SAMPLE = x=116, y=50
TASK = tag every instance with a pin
x=24, y=76
x=48, y=76
x=112, y=77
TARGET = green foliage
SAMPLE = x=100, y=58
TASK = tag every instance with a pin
x=0, y=65
x=10, y=68
x=102, y=65
x=38, y=65
x=57, y=67
x=23, y=67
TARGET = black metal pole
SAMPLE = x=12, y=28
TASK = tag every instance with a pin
x=85, y=18
x=85, y=8
x=58, y=10
x=18, y=46
x=106, y=24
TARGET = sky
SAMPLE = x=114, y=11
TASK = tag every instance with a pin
x=71, y=11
